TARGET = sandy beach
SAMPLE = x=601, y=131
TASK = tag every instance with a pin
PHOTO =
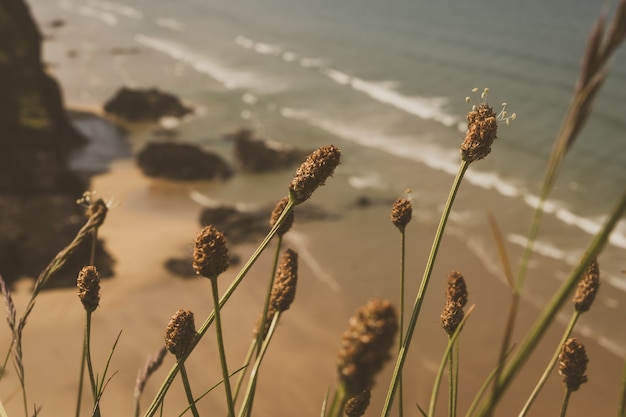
x=156, y=220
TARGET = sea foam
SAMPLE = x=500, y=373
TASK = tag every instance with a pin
x=228, y=77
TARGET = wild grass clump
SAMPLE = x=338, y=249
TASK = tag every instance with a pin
x=378, y=332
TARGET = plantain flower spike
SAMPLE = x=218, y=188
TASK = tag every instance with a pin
x=366, y=345
x=314, y=172
x=451, y=316
x=357, y=405
x=180, y=333
x=587, y=287
x=210, y=254
x=456, y=289
x=482, y=128
x=88, y=283
x=573, y=364
x=278, y=210
x=401, y=213
x=284, y=288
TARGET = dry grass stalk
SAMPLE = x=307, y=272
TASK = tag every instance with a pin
x=153, y=363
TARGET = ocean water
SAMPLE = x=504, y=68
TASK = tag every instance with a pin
x=386, y=82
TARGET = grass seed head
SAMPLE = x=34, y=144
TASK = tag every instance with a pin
x=482, y=129
x=451, y=316
x=456, y=289
x=284, y=288
x=210, y=254
x=278, y=210
x=180, y=333
x=587, y=287
x=357, y=405
x=401, y=213
x=314, y=172
x=573, y=364
x=88, y=283
x=366, y=345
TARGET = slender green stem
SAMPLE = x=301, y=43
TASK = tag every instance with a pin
x=568, y=393
x=622, y=399
x=158, y=399
x=246, y=407
x=451, y=384
x=454, y=379
x=446, y=355
x=220, y=345
x=339, y=402
x=187, y=385
x=246, y=364
x=401, y=332
x=549, y=313
x=92, y=378
x=422, y=290
x=81, y=376
x=268, y=295
x=548, y=370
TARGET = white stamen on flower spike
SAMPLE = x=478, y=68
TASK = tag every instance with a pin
x=502, y=116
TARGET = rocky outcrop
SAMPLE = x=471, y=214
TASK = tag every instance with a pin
x=180, y=161
x=241, y=226
x=256, y=155
x=31, y=99
x=147, y=105
x=38, y=211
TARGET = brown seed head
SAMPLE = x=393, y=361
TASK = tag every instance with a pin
x=284, y=288
x=401, y=213
x=587, y=287
x=456, y=290
x=180, y=332
x=573, y=364
x=88, y=283
x=210, y=254
x=482, y=129
x=356, y=406
x=366, y=344
x=451, y=316
x=314, y=172
x=278, y=210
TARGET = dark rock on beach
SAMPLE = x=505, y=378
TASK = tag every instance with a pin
x=145, y=105
x=256, y=154
x=180, y=161
x=241, y=226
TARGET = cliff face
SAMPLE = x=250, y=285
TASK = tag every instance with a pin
x=35, y=133
x=38, y=210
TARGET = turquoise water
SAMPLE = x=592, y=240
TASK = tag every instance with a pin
x=378, y=78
